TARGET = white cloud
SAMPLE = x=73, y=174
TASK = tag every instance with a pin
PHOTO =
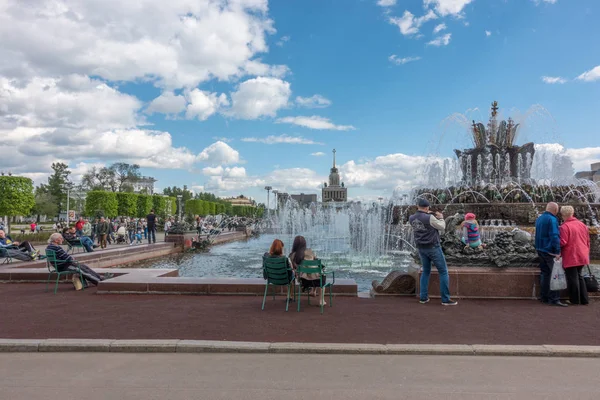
x=488, y=33
x=439, y=28
x=223, y=139
x=443, y=40
x=538, y=2
x=401, y=61
x=259, y=97
x=175, y=43
x=384, y=172
x=219, y=153
x=318, y=154
x=281, y=139
x=314, y=122
x=591, y=75
x=315, y=101
x=409, y=24
x=256, y=67
x=232, y=180
x=167, y=103
x=447, y=7
x=295, y=179
x=282, y=41
x=204, y=104
x=553, y=79
x=386, y=3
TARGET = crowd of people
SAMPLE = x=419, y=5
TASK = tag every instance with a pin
x=568, y=242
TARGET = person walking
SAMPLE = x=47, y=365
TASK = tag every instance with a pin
x=547, y=244
x=427, y=227
x=575, y=251
x=151, y=221
x=102, y=229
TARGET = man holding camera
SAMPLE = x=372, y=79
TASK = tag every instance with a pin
x=427, y=227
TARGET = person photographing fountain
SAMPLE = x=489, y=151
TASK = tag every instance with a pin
x=547, y=244
x=427, y=226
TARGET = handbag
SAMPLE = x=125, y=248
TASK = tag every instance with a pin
x=590, y=281
x=558, y=281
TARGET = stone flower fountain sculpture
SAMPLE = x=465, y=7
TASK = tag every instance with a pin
x=495, y=157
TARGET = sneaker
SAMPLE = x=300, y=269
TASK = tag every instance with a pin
x=449, y=303
x=77, y=282
x=424, y=301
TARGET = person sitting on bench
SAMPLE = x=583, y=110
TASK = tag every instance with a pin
x=67, y=262
x=23, y=251
x=70, y=236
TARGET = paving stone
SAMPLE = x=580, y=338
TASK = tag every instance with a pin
x=434, y=349
x=214, y=346
x=573, y=351
x=144, y=346
x=19, y=345
x=328, y=348
x=75, y=345
x=510, y=350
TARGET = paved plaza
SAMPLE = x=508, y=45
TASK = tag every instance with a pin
x=99, y=376
x=29, y=312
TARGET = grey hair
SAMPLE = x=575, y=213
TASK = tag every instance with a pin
x=567, y=211
x=53, y=237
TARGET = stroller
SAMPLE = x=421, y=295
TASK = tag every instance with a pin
x=122, y=237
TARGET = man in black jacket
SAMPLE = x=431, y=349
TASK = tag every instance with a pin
x=66, y=262
x=151, y=219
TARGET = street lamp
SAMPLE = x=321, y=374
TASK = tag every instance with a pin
x=179, y=208
x=268, y=189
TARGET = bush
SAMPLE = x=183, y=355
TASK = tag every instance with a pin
x=144, y=205
x=33, y=237
x=127, y=204
x=103, y=203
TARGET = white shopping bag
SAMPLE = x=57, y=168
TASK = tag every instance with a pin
x=558, y=281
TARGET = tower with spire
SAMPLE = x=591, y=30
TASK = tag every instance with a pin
x=334, y=191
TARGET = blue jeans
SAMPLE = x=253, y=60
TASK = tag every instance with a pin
x=436, y=255
x=146, y=232
x=87, y=243
x=546, y=265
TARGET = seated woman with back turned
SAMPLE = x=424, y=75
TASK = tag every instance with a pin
x=309, y=282
x=276, y=251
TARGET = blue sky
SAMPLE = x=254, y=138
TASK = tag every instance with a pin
x=192, y=90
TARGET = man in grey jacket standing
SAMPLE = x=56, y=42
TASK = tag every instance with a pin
x=427, y=227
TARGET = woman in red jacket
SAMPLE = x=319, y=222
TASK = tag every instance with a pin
x=575, y=252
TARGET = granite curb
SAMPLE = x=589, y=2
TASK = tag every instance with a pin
x=213, y=346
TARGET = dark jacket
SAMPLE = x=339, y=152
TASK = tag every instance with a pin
x=61, y=255
x=151, y=218
x=426, y=229
x=103, y=228
x=547, y=234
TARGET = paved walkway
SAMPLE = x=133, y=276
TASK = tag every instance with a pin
x=28, y=312
x=71, y=376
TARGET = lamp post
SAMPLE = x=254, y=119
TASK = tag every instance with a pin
x=268, y=189
x=179, y=197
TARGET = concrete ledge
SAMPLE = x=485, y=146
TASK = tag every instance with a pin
x=19, y=345
x=75, y=345
x=431, y=349
x=144, y=346
x=209, y=346
x=213, y=346
x=327, y=348
x=505, y=350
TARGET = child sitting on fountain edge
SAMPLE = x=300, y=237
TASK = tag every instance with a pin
x=470, y=233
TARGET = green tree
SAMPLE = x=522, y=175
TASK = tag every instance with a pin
x=101, y=203
x=126, y=175
x=127, y=204
x=185, y=193
x=16, y=196
x=45, y=204
x=58, y=183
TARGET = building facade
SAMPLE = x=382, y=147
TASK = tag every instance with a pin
x=144, y=185
x=593, y=174
x=334, y=191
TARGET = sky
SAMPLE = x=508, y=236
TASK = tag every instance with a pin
x=229, y=96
